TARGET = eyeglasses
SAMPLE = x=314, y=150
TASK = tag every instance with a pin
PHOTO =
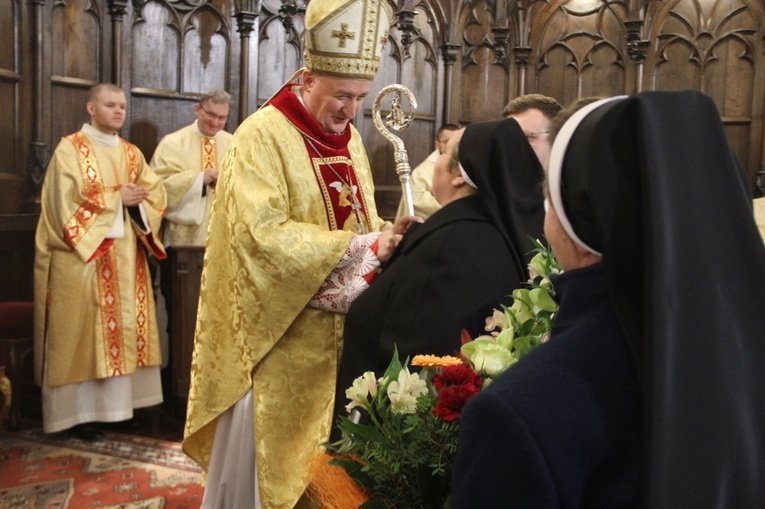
x=213, y=116
x=533, y=136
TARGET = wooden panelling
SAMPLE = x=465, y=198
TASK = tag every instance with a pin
x=205, y=52
x=9, y=130
x=10, y=88
x=716, y=47
x=155, y=116
x=578, y=50
x=8, y=27
x=76, y=41
x=280, y=50
x=156, y=48
x=69, y=101
x=17, y=248
x=185, y=271
x=483, y=79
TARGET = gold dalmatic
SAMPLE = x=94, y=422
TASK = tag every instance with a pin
x=93, y=297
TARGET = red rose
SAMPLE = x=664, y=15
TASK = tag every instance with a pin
x=457, y=375
x=452, y=399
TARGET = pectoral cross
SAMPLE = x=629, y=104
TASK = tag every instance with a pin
x=356, y=207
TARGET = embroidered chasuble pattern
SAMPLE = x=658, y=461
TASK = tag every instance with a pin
x=106, y=260
x=142, y=314
x=87, y=214
x=111, y=312
x=340, y=195
x=209, y=157
x=344, y=200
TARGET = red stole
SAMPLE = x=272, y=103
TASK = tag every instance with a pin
x=332, y=165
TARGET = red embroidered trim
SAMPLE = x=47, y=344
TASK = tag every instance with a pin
x=141, y=308
x=111, y=312
x=209, y=157
x=93, y=187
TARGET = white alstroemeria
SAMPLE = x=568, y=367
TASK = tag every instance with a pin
x=363, y=387
x=404, y=391
x=497, y=319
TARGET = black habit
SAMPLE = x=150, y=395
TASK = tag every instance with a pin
x=581, y=383
x=451, y=271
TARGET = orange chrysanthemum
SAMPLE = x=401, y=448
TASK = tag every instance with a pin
x=434, y=361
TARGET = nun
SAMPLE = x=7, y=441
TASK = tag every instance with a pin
x=449, y=272
x=648, y=392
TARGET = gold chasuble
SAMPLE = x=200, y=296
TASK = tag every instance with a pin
x=93, y=295
x=281, y=221
x=179, y=159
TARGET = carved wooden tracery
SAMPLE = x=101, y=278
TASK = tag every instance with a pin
x=464, y=59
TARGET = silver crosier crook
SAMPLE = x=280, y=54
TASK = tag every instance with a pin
x=398, y=121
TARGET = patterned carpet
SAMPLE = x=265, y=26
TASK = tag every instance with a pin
x=121, y=471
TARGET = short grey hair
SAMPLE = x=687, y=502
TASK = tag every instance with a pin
x=216, y=95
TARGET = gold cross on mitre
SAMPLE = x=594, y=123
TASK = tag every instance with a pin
x=343, y=34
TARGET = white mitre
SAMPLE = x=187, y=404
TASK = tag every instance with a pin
x=345, y=38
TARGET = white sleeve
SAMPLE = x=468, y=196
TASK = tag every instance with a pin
x=191, y=209
x=346, y=281
x=117, y=231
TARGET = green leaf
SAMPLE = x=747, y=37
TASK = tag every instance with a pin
x=542, y=300
x=394, y=368
x=354, y=469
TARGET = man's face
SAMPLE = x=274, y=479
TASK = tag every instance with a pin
x=107, y=111
x=536, y=127
x=443, y=138
x=333, y=102
x=211, y=117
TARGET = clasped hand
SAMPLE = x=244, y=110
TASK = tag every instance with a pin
x=133, y=195
x=389, y=239
x=211, y=177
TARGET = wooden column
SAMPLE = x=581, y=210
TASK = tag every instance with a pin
x=449, y=52
x=637, y=49
x=246, y=14
x=38, y=153
x=522, y=62
x=522, y=48
x=117, y=9
x=501, y=32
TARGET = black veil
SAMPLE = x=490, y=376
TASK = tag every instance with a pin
x=652, y=182
x=499, y=160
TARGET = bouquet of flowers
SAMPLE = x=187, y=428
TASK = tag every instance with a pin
x=401, y=450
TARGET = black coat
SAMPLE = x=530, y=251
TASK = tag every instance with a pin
x=447, y=275
x=562, y=428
